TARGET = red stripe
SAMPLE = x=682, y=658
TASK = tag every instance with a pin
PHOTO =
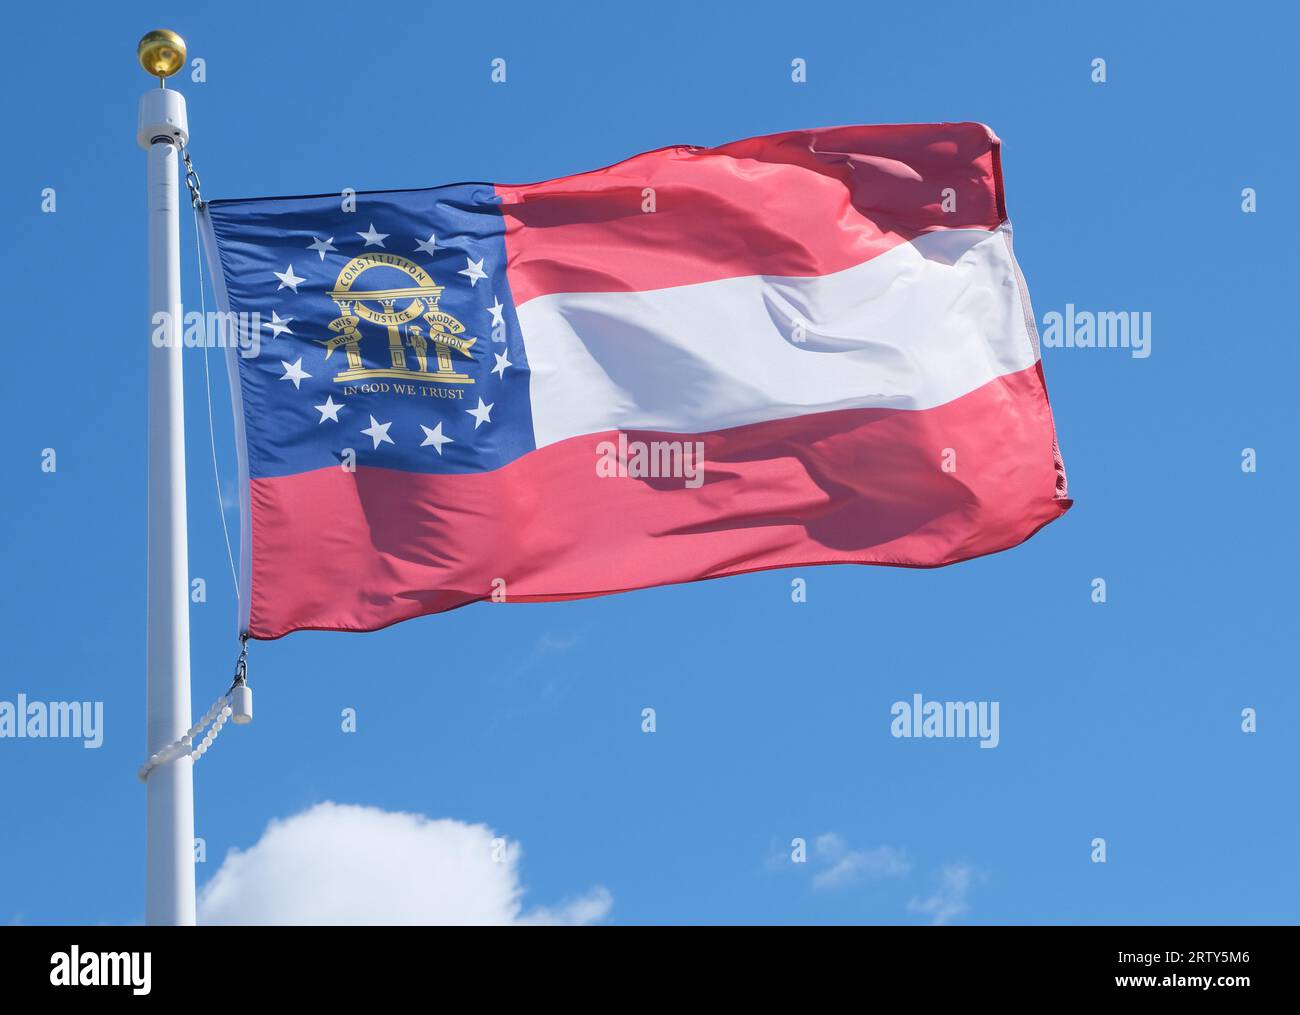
x=802, y=203
x=334, y=550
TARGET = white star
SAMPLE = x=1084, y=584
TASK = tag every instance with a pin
x=500, y=368
x=278, y=325
x=378, y=432
x=322, y=247
x=426, y=245
x=481, y=414
x=474, y=270
x=372, y=238
x=288, y=278
x=330, y=410
x=435, y=437
x=294, y=372
x=495, y=311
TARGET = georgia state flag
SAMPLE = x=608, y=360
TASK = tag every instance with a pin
x=807, y=348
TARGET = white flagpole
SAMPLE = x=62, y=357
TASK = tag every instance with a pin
x=169, y=832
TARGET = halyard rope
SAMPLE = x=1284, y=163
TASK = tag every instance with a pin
x=216, y=716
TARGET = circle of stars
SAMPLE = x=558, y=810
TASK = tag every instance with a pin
x=378, y=431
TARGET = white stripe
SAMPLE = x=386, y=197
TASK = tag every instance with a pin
x=915, y=327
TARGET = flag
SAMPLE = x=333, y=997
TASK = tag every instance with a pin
x=806, y=348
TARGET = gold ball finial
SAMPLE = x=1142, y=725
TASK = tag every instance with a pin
x=161, y=53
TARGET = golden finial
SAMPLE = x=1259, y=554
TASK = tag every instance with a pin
x=161, y=53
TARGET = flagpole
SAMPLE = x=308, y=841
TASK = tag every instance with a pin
x=169, y=807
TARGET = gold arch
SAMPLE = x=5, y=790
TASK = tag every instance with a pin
x=444, y=330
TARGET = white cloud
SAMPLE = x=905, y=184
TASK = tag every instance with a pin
x=949, y=900
x=347, y=864
x=843, y=866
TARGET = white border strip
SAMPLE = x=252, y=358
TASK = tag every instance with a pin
x=218, y=276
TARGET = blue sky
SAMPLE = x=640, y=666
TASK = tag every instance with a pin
x=1119, y=720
